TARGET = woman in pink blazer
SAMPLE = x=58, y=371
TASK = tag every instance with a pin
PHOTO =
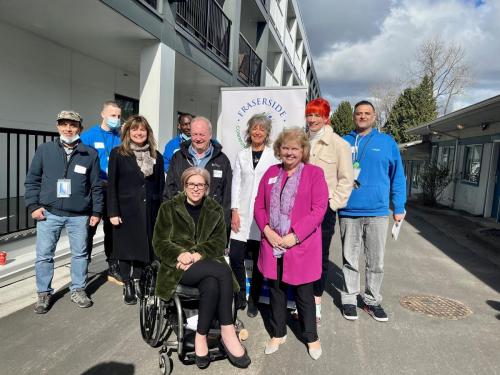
x=289, y=208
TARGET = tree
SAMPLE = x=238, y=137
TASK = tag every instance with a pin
x=446, y=67
x=414, y=106
x=433, y=179
x=341, y=119
x=384, y=96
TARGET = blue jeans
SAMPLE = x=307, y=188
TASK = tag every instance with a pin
x=48, y=233
x=363, y=235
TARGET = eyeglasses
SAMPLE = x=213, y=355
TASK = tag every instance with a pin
x=193, y=186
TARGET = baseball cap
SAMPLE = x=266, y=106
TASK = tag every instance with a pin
x=69, y=115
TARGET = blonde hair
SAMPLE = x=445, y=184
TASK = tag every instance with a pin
x=295, y=134
x=196, y=171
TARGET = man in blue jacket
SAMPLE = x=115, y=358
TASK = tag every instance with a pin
x=103, y=138
x=174, y=145
x=63, y=191
x=379, y=178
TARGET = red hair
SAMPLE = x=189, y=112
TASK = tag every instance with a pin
x=319, y=106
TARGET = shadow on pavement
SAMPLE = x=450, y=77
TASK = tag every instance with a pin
x=111, y=368
x=94, y=283
x=449, y=234
x=495, y=305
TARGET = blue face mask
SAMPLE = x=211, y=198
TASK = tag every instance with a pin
x=113, y=123
x=185, y=137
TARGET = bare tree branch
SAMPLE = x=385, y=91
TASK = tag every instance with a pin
x=446, y=66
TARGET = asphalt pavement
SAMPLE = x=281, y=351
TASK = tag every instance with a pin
x=429, y=259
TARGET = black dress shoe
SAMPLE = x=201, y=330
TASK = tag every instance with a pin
x=240, y=362
x=129, y=293
x=240, y=301
x=202, y=361
x=252, y=309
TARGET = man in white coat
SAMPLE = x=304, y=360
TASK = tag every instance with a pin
x=250, y=165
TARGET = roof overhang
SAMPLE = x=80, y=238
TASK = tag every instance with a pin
x=479, y=114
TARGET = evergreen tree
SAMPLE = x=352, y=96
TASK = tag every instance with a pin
x=341, y=119
x=413, y=107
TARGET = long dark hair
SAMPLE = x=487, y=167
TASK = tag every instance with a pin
x=133, y=122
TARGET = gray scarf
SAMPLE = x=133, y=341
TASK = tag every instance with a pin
x=143, y=157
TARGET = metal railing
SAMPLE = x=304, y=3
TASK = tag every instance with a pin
x=250, y=64
x=205, y=20
x=17, y=148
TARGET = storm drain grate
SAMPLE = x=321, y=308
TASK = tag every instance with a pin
x=436, y=306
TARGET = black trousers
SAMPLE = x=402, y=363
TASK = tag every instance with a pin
x=238, y=250
x=108, y=231
x=327, y=231
x=131, y=269
x=304, y=299
x=214, y=280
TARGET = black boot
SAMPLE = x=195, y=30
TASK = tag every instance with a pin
x=240, y=300
x=129, y=293
x=139, y=288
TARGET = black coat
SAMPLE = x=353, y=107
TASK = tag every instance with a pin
x=220, y=172
x=136, y=200
x=49, y=165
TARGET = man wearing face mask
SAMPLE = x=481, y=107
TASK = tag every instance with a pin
x=63, y=191
x=103, y=138
x=174, y=145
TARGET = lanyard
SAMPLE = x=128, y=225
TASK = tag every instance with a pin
x=356, y=146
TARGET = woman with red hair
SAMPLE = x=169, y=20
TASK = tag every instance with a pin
x=332, y=154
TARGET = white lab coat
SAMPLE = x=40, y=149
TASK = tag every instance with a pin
x=244, y=189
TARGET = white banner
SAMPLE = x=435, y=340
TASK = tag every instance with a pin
x=285, y=106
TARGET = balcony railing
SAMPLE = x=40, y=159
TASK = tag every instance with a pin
x=17, y=148
x=249, y=64
x=206, y=21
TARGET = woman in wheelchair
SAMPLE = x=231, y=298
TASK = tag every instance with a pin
x=190, y=238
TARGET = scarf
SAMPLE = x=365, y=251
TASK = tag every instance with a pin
x=143, y=158
x=282, y=202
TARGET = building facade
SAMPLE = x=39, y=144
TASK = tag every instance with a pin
x=467, y=142
x=156, y=57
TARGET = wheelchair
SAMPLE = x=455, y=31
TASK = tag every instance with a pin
x=167, y=323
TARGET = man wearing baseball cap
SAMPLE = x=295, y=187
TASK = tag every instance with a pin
x=63, y=191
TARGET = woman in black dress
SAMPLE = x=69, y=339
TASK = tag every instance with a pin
x=136, y=182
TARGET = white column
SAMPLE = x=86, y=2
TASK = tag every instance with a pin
x=156, y=101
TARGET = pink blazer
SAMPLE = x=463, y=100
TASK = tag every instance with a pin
x=302, y=262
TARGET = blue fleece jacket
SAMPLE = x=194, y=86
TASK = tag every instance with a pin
x=171, y=148
x=381, y=178
x=103, y=142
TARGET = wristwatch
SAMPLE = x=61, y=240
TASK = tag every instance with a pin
x=297, y=241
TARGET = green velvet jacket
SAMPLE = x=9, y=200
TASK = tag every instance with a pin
x=175, y=233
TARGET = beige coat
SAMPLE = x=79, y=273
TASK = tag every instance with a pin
x=333, y=155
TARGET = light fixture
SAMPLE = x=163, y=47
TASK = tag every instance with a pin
x=460, y=126
x=484, y=125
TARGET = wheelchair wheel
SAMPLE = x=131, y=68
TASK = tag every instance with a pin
x=152, y=311
x=165, y=364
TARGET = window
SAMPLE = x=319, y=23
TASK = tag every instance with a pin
x=129, y=106
x=415, y=174
x=472, y=163
x=447, y=156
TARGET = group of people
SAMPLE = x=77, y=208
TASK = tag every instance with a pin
x=278, y=203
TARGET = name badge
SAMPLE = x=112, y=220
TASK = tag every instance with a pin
x=98, y=145
x=217, y=173
x=80, y=169
x=356, y=171
x=272, y=180
x=63, y=188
